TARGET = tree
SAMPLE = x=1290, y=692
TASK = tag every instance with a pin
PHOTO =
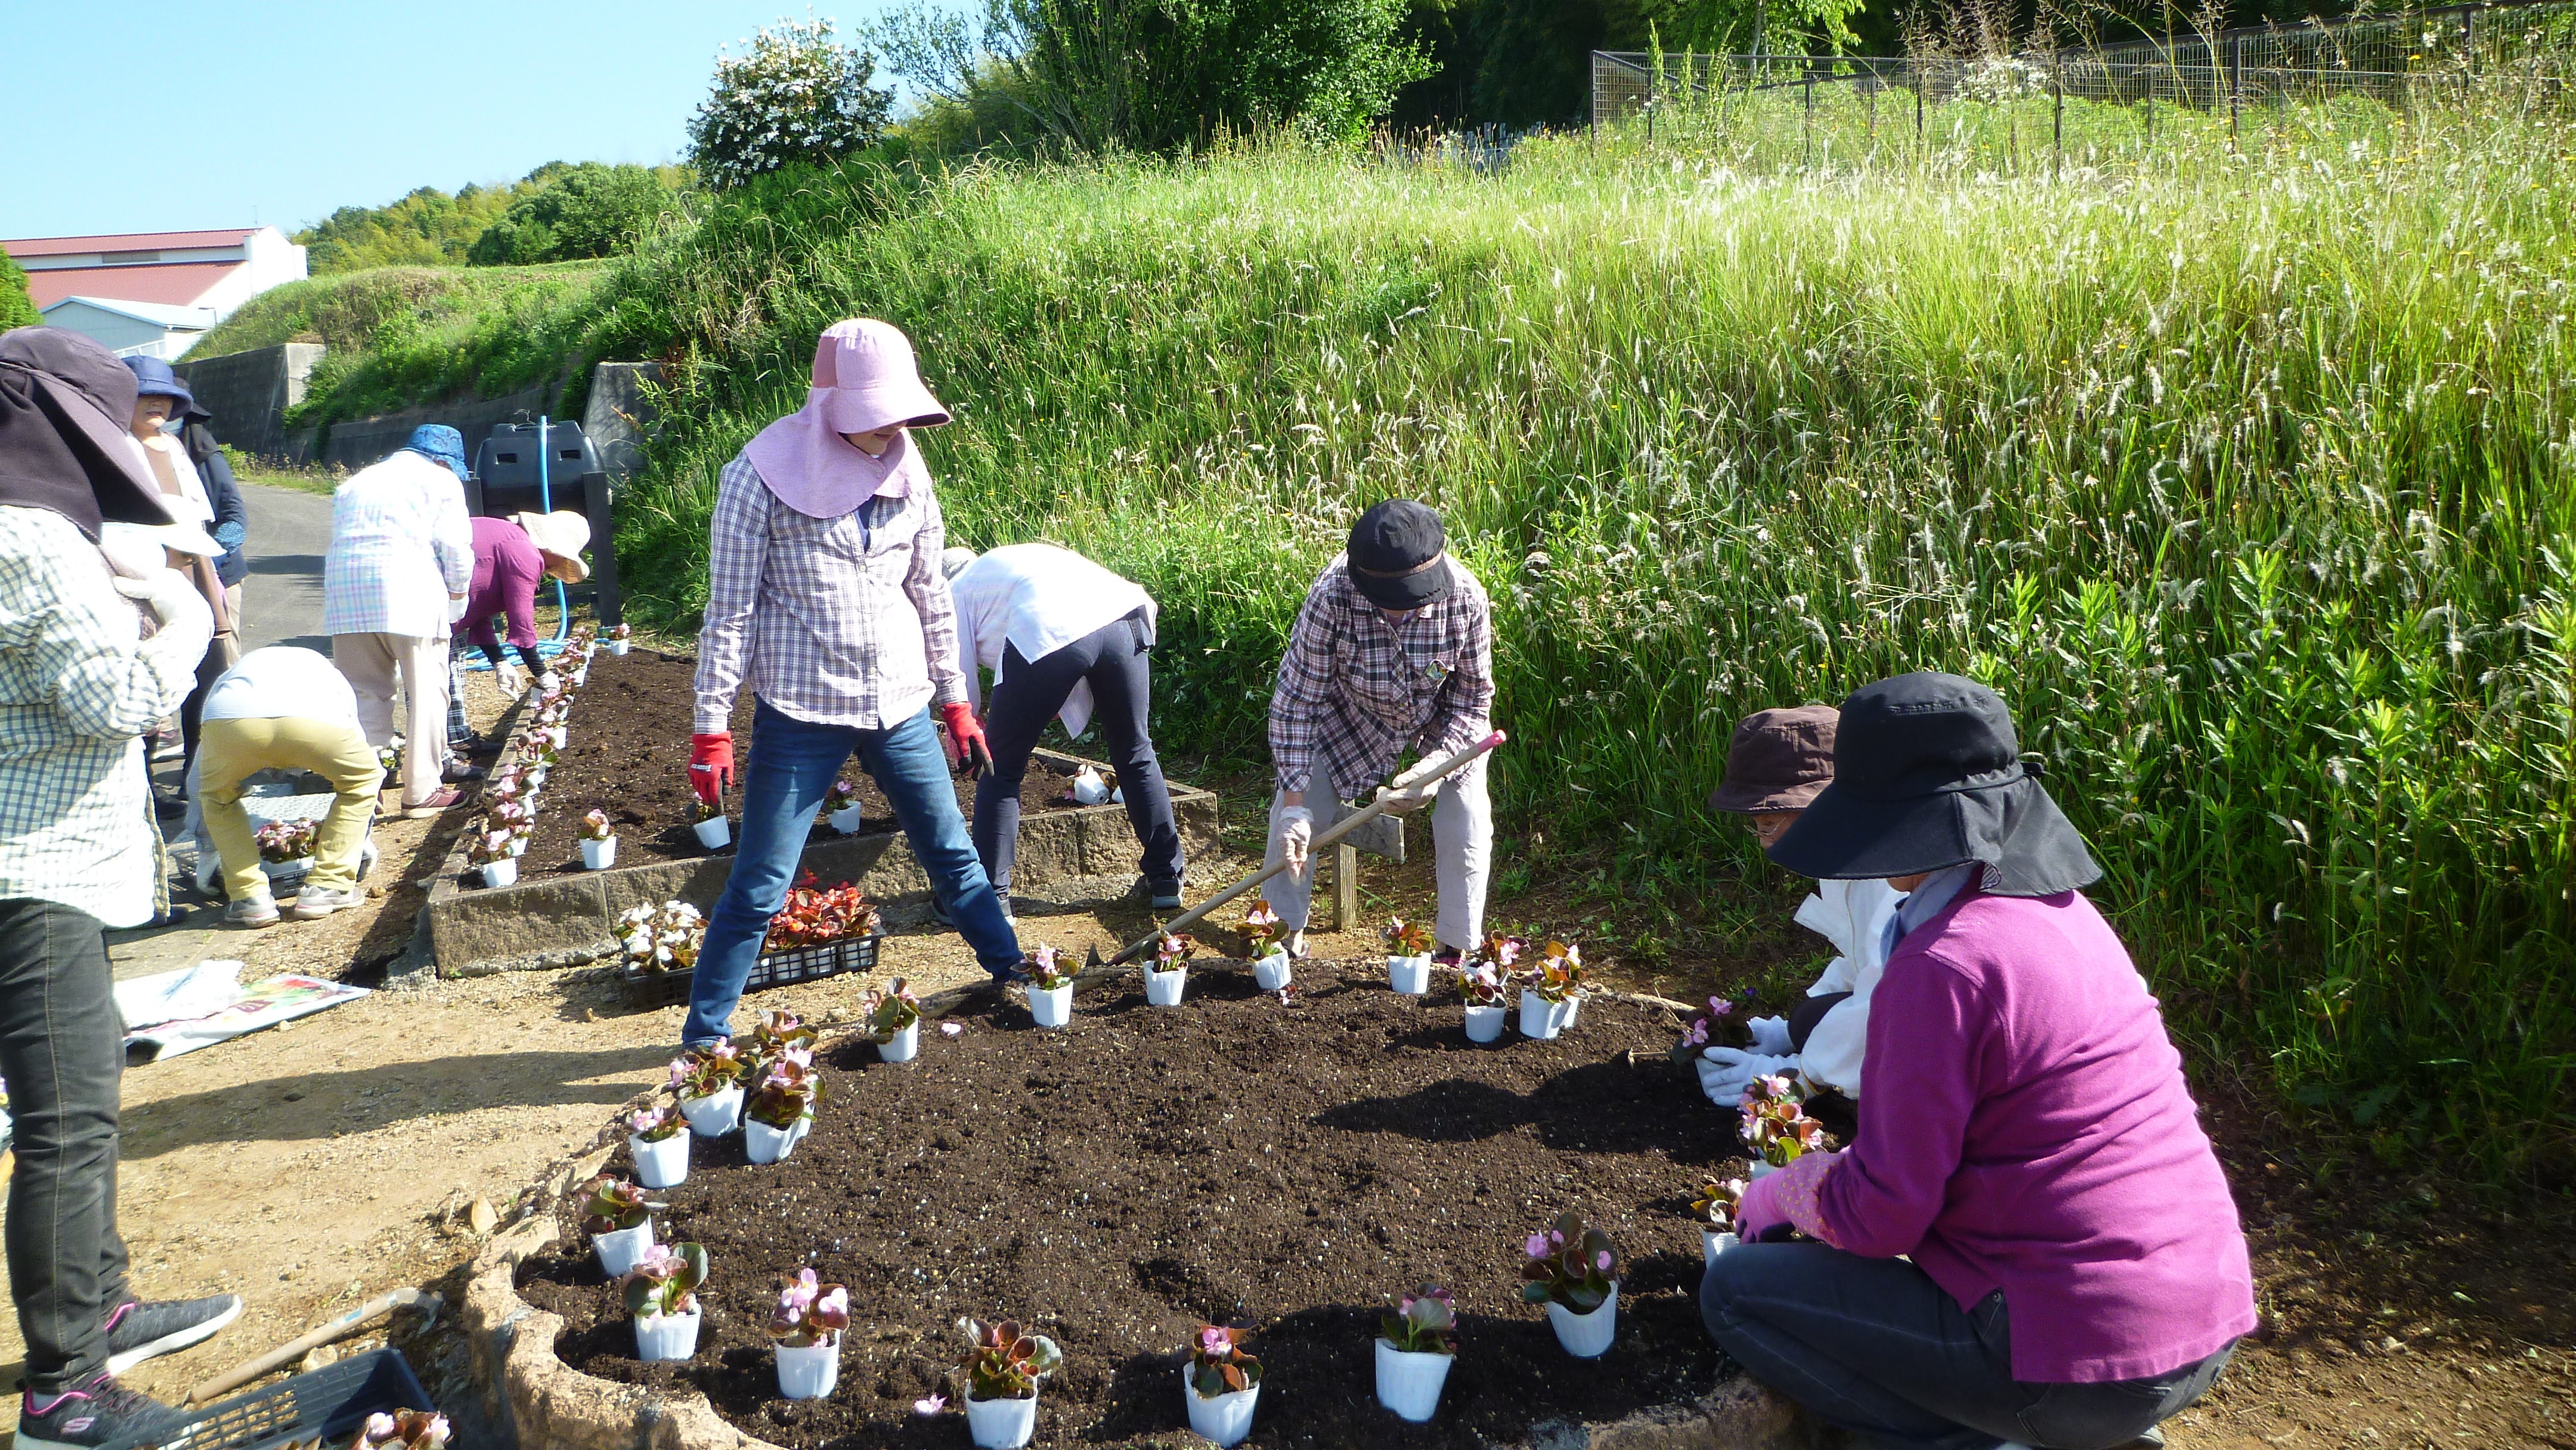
x=589, y=210
x=798, y=95
x=427, y=228
x=17, y=309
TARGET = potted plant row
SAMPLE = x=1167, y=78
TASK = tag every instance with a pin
x=807, y=1326
x=619, y=1219
x=1004, y=1363
x=1408, y=957
x=1265, y=945
x=1169, y=973
x=1050, y=975
x=1574, y=1271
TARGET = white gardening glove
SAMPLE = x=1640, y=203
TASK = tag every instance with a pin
x=1725, y=1072
x=512, y=680
x=187, y=624
x=1411, y=789
x=1296, y=832
x=549, y=682
x=1770, y=1035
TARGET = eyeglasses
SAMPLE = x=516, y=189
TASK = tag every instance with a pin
x=1770, y=826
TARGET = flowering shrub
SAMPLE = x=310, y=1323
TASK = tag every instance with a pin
x=1569, y=1265
x=403, y=1430
x=610, y=1204
x=285, y=840
x=789, y=1089
x=705, y=1071
x=1721, y=1026
x=1047, y=969
x=665, y=1280
x=1559, y=974
x=662, y=938
x=1776, y=1129
x=1482, y=984
x=1218, y=1365
x=809, y=1313
x=1424, y=1322
x=1172, y=951
x=1261, y=931
x=1717, y=1201
x=1407, y=938
x=595, y=826
x=887, y=1012
x=796, y=95
x=814, y=916
x=1006, y=1362
x=655, y=1125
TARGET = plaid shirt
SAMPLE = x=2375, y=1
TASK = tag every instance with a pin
x=77, y=688
x=400, y=544
x=1355, y=690
x=841, y=621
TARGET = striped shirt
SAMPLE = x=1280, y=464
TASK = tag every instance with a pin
x=1354, y=690
x=400, y=545
x=77, y=690
x=841, y=621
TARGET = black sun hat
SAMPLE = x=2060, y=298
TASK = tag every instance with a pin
x=1927, y=774
x=1397, y=555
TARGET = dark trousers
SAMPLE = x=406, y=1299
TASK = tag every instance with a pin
x=1876, y=1347
x=62, y=1048
x=1113, y=659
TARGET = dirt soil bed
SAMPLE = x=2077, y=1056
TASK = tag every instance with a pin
x=627, y=753
x=1120, y=1182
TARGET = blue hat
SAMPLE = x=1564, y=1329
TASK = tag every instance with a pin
x=440, y=444
x=154, y=378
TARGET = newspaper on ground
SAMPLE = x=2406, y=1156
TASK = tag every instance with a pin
x=172, y=1013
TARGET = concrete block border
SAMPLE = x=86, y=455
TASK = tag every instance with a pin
x=540, y=1403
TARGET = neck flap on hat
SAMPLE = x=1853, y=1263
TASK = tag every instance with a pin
x=821, y=474
x=59, y=449
x=2025, y=842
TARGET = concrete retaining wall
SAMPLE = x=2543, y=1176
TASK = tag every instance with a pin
x=356, y=442
x=248, y=392
x=619, y=419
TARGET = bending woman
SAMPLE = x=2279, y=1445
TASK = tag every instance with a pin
x=2077, y=1273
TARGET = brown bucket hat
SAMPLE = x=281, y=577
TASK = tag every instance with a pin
x=1778, y=761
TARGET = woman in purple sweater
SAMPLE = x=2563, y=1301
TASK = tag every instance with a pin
x=2076, y=1270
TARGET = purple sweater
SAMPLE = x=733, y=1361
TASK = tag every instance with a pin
x=2028, y=1130
x=506, y=570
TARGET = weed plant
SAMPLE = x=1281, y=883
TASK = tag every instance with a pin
x=2245, y=475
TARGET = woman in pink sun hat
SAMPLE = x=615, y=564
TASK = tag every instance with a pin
x=825, y=597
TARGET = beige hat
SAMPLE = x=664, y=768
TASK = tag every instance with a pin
x=562, y=534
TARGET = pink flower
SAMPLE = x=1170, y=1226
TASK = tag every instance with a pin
x=1601, y=1261
x=1215, y=1340
x=1556, y=1236
x=951, y=1029
x=679, y=1071
x=1719, y=1006
x=798, y=1296
x=380, y=1426
x=1536, y=1248
x=930, y=1405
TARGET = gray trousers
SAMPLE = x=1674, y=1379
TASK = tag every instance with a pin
x=62, y=1047
x=1876, y=1347
x=1462, y=849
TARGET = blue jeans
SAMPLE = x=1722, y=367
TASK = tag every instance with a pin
x=791, y=764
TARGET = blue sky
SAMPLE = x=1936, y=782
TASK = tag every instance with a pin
x=278, y=111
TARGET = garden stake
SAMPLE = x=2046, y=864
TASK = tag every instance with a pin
x=341, y=1328
x=1314, y=850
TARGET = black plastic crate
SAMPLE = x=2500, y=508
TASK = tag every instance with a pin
x=778, y=969
x=328, y=1404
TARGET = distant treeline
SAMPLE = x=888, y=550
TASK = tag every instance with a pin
x=558, y=212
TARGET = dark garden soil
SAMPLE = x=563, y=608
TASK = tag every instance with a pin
x=627, y=752
x=1117, y=1183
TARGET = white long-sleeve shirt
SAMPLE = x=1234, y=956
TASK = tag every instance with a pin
x=1037, y=598
x=401, y=544
x=1853, y=915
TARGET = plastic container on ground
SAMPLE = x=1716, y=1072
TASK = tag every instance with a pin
x=1052, y=1009
x=1712, y=1243
x=905, y=1047
x=808, y=1371
x=714, y=833
x=1484, y=1024
x=716, y=1114
x=504, y=872
x=666, y=1336
x=1409, y=1382
x=1001, y=1424
x=325, y=1405
x=1163, y=989
x=765, y=1144
x=1273, y=971
x=1411, y=975
x=1540, y=1017
x=598, y=855
x=1223, y=1419
x=622, y=1249
x=661, y=1165
x=1586, y=1336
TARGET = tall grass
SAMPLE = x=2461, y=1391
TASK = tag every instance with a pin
x=2245, y=478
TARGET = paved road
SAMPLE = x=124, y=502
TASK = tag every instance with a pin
x=290, y=531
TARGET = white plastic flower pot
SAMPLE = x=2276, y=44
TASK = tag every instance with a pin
x=666, y=1336
x=713, y=832
x=1712, y=1243
x=846, y=821
x=503, y=872
x=518, y=847
x=598, y=855
x=1761, y=1169
x=808, y=1372
x=619, y=647
x=537, y=775
x=1225, y=1419
x=765, y=1144
x=581, y=677
x=622, y=1249
x=1409, y=1382
x=1001, y=1424
x=1484, y=1024
x=559, y=735
x=1586, y=1336
x=1573, y=1009
x=1163, y=989
x=905, y=1047
x=1052, y=1009
x=1539, y=1016
x=1410, y=976
x=661, y=1165
x=1273, y=971
x=804, y=1125
x=716, y=1114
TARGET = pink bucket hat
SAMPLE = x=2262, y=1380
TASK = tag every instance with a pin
x=865, y=379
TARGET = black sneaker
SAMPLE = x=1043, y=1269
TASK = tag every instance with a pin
x=1165, y=898
x=141, y=1330
x=96, y=1411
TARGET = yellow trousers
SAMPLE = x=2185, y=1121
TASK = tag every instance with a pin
x=230, y=751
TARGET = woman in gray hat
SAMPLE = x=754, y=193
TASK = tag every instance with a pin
x=2030, y=1241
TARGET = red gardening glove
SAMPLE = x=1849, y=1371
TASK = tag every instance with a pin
x=965, y=741
x=711, y=765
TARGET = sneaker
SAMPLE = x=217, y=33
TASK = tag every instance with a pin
x=434, y=805
x=1447, y=957
x=460, y=770
x=475, y=746
x=257, y=911
x=313, y=905
x=147, y=1329
x=1165, y=898
x=939, y=913
x=94, y=1412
